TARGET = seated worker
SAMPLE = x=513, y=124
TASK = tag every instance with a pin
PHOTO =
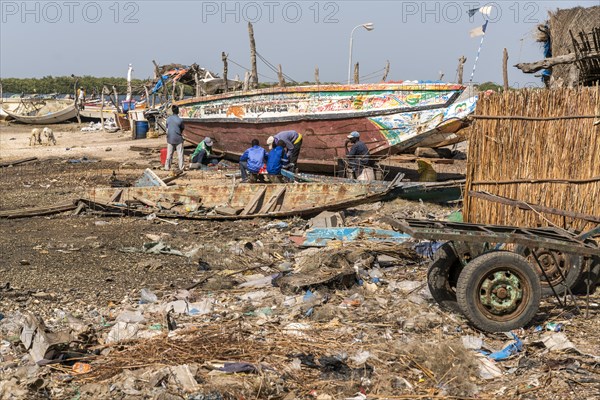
x=358, y=155
x=202, y=155
x=252, y=161
x=293, y=143
x=276, y=160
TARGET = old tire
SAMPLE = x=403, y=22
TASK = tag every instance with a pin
x=499, y=291
x=590, y=277
x=442, y=277
x=571, y=265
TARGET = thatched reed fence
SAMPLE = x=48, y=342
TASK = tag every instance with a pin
x=534, y=159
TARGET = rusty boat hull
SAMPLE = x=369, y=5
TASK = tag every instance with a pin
x=391, y=117
x=205, y=201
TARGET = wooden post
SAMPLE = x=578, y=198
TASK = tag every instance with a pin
x=225, y=69
x=246, y=86
x=356, y=68
x=116, y=98
x=181, y=92
x=505, y=69
x=441, y=75
x=461, y=63
x=102, y=108
x=147, y=96
x=197, y=80
x=254, y=82
x=280, y=76
x=173, y=91
x=317, y=81
x=387, y=71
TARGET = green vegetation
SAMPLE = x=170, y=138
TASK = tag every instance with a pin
x=490, y=86
x=65, y=84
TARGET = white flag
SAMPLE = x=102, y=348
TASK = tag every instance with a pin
x=479, y=31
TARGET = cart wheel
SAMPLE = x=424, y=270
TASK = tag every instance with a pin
x=590, y=278
x=442, y=277
x=554, y=262
x=499, y=291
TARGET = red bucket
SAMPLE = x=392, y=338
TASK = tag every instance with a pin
x=163, y=156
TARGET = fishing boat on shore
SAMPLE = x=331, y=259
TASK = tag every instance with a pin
x=42, y=112
x=391, y=117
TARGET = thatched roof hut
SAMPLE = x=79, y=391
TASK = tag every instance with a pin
x=571, y=38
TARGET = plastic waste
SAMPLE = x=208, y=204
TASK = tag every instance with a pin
x=147, y=297
x=131, y=317
x=508, y=351
x=554, y=327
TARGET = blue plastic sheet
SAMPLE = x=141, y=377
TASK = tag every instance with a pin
x=318, y=237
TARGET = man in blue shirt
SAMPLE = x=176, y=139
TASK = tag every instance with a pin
x=252, y=160
x=276, y=160
x=174, y=138
x=358, y=155
x=293, y=143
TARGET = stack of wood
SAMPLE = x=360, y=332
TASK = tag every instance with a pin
x=534, y=159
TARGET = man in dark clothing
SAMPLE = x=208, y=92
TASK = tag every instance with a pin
x=174, y=138
x=276, y=160
x=358, y=155
x=252, y=160
x=293, y=143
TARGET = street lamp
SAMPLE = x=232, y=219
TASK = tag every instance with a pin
x=369, y=27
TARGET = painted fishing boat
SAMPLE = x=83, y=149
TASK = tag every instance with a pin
x=391, y=117
x=221, y=202
x=43, y=112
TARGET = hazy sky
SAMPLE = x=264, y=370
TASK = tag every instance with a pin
x=419, y=38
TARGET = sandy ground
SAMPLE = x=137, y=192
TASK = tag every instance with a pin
x=71, y=143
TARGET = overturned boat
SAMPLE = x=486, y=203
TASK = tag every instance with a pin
x=391, y=117
x=209, y=201
x=42, y=112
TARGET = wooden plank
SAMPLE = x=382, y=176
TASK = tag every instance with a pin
x=17, y=162
x=228, y=210
x=116, y=196
x=146, y=202
x=273, y=201
x=255, y=203
x=34, y=212
x=533, y=207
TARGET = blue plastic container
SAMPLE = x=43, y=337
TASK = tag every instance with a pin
x=128, y=105
x=141, y=129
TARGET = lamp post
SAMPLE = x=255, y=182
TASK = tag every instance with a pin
x=369, y=27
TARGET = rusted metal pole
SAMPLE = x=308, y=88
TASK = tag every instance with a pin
x=386, y=71
x=356, y=69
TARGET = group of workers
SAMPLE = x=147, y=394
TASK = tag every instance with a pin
x=283, y=153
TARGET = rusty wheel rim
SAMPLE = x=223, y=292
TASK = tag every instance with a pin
x=503, y=294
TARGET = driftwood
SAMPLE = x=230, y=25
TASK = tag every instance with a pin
x=530, y=68
x=17, y=162
x=38, y=211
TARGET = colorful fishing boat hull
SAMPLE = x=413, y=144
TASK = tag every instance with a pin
x=391, y=117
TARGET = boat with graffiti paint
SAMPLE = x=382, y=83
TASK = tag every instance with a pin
x=391, y=117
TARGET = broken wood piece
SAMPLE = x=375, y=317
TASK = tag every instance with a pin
x=80, y=206
x=146, y=202
x=38, y=211
x=255, y=204
x=116, y=196
x=276, y=199
x=228, y=210
x=17, y=162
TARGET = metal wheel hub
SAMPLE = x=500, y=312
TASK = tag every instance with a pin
x=501, y=292
x=548, y=264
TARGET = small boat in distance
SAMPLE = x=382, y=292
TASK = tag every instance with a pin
x=391, y=117
x=43, y=112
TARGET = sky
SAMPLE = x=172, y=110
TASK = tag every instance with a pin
x=419, y=38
